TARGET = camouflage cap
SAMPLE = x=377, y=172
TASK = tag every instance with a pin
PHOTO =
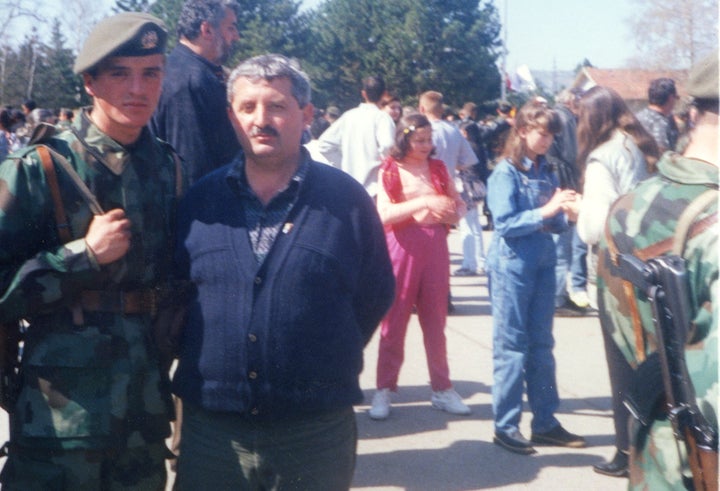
x=124, y=34
x=703, y=80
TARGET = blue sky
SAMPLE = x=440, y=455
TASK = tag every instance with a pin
x=562, y=33
x=545, y=34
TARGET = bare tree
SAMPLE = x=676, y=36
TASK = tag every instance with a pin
x=673, y=33
x=78, y=17
x=16, y=9
x=13, y=10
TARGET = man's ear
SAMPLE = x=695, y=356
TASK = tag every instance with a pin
x=88, y=83
x=206, y=29
x=308, y=113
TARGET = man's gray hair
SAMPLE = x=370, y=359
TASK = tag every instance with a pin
x=270, y=67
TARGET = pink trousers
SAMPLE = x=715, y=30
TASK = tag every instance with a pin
x=420, y=261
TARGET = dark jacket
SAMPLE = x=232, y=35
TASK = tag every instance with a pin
x=285, y=337
x=563, y=152
x=192, y=113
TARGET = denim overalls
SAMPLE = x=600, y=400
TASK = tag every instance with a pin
x=521, y=266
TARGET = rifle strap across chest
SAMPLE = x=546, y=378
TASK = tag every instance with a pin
x=61, y=220
x=48, y=156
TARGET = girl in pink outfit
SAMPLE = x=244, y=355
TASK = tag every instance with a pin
x=417, y=202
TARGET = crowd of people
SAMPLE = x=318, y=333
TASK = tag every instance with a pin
x=203, y=246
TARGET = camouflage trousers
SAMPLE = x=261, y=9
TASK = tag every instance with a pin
x=139, y=468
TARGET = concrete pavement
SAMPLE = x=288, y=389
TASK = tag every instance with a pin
x=421, y=449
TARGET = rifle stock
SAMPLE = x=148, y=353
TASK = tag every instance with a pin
x=664, y=281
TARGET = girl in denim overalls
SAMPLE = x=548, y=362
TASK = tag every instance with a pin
x=527, y=207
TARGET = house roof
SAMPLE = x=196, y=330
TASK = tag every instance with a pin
x=629, y=83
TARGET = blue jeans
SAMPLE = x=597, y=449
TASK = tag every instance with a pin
x=472, y=240
x=571, y=254
x=523, y=282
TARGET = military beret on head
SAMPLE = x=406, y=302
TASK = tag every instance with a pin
x=703, y=81
x=125, y=34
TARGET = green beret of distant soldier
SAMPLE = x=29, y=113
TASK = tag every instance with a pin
x=703, y=80
x=124, y=34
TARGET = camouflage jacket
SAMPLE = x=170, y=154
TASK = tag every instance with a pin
x=643, y=223
x=97, y=384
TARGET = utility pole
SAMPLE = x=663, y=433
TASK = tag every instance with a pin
x=503, y=53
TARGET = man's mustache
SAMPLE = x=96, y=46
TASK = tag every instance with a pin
x=264, y=131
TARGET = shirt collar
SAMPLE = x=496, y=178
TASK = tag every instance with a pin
x=216, y=69
x=236, y=175
x=114, y=156
x=688, y=171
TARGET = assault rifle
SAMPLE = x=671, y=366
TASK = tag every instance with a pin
x=664, y=281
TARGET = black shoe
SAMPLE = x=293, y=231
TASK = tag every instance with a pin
x=569, y=309
x=560, y=437
x=617, y=467
x=514, y=442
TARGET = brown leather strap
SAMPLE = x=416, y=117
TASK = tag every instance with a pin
x=662, y=247
x=629, y=291
x=686, y=228
x=61, y=221
x=119, y=302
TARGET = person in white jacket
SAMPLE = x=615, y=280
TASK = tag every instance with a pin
x=361, y=138
x=615, y=153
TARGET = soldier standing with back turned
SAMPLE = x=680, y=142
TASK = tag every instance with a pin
x=643, y=224
x=93, y=410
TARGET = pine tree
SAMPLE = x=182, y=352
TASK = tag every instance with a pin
x=132, y=6
x=56, y=84
x=416, y=45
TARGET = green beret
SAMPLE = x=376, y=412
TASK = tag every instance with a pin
x=124, y=34
x=703, y=80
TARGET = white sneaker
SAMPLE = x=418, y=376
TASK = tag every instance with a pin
x=380, y=405
x=580, y=299
x=450, y=402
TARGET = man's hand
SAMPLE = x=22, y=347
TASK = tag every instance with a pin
x=109, y=236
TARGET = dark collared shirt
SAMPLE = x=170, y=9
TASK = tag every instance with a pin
x=265, y=222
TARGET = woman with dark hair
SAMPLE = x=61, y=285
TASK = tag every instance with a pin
x=527, y=208
x=615, y=152
x=417, y=202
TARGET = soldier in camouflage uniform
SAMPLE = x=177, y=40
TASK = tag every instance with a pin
x=643, y=223
x=94, y=408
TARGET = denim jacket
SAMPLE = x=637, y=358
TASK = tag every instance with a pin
x=515, y=198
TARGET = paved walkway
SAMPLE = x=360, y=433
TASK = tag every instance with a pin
x=421, y=449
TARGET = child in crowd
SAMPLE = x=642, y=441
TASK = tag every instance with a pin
x=417, y=202
x=527, y=207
